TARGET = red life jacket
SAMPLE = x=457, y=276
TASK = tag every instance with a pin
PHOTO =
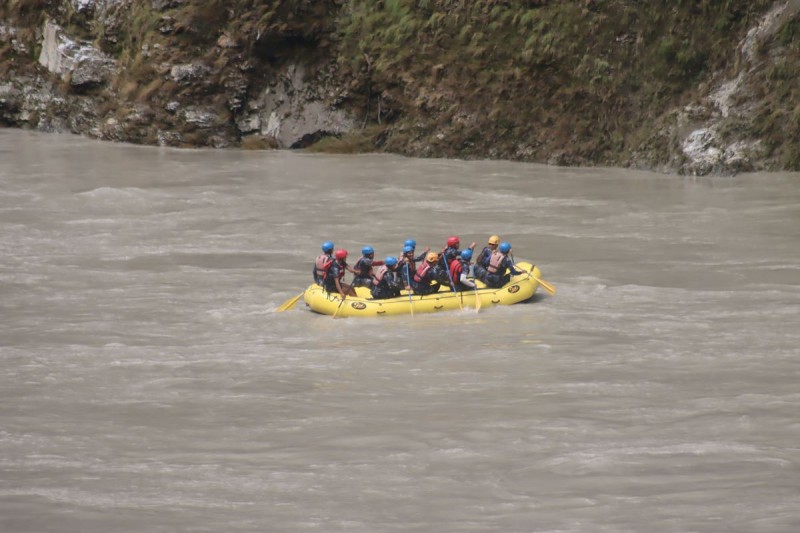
x=456, y=267
x=322, y=264
x=378, y=277
x=421, y=272
x=495, y=261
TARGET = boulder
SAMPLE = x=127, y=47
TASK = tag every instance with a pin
x=294, y=111
x=78, y=63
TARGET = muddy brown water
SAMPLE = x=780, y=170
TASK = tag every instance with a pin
x=148, y=385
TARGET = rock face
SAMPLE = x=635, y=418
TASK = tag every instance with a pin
x=293, y=112
x=184, y=100
x=10, y=98
x=80, y=64
x=280, y=74
x=704, y=147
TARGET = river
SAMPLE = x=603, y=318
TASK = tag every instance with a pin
x=149, y=385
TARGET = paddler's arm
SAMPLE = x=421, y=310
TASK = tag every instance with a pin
x=466, y=281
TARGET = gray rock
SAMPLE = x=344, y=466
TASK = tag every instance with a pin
x=8, y=34
x=83, y=6
x=202, y=118
x=161, y=5
x=169, y=138
x=294, y=109
x=10, y=98
x=249, y=124
x=188, y=73
x=79, y=63
x=702, y=153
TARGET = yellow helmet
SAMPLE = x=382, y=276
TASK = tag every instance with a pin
x=432, y=257
x=494, y=239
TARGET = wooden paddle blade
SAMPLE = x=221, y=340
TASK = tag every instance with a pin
x=337, y=309
x=290, y=303
x=548, y=287
x=410, y=298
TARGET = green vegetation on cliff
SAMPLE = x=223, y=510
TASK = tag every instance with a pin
x=776, y=115
x=518, y=79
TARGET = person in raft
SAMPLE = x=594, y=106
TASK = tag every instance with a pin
x=425, y=280
x=459, y=271
x=323, y=262
x=482, y=261
x=408, y=264
x=363, y=267
x=386, y=283
x=333, y=279
x=501, y=267
x=451, y=251
x=413, y=244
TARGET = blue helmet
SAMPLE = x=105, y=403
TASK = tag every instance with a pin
x=327, y=246
x=390, y=261
x=410, y=242
x=466, y=255
x=367, y=250
x=407, y=249
x=504, y=247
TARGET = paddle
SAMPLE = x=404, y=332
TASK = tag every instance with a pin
x=410, y=301
x=340, y=306
x=290, y=303
x=547, y=286
x=477, y=298
x=452, y=285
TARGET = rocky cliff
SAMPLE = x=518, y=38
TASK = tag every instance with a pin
x=694, y=87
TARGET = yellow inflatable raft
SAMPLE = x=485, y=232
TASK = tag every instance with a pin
x=518, y=289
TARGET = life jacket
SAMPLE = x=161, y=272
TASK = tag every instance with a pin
x=322, y=265
x=342, y=270
x=412, y=266
x=456, y=268
x=495, y=262
x=363, y=267
x=378, y=278
x=421, y=272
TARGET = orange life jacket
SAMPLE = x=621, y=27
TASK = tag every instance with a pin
x=495, y=261
x=376, y=280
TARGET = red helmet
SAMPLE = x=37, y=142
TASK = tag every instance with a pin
x=341, y=254
x=453, y=241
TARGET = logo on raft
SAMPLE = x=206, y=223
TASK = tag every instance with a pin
x=358, y=305
x=514, y=288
